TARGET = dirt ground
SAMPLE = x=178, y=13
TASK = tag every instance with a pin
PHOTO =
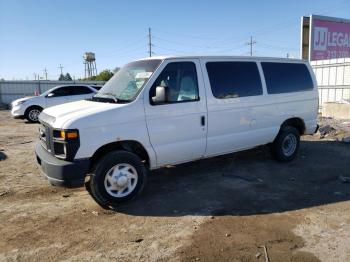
x=221, y=209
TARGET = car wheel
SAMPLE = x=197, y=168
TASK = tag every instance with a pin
x=117, y=178
x=286, y=145
x=32, y=114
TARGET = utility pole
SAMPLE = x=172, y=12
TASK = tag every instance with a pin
x=45, y=72
x=34, y=74
x=61, y=67
x=287, y=55
x=149, y=42
x=251, y=43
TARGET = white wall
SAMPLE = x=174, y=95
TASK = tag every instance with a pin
x=333, y=79
x=11, y=90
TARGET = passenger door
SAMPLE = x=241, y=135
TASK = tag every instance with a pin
x=178, y=127
x=58, y=96
x=233, y=88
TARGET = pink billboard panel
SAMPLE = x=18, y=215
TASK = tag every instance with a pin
x=330, y=39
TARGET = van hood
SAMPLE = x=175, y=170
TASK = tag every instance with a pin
x=58, y=116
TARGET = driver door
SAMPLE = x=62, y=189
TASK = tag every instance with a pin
x=177, y=127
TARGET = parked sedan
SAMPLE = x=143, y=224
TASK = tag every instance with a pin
x=30, y=107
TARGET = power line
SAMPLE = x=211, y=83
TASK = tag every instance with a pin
x=275, y=47
x=251, y=43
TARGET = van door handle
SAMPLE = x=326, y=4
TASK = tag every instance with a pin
x=203, y=120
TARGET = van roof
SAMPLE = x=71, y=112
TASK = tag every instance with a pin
x=224, y=57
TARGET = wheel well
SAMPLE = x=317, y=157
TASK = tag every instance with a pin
x=34, y=106
x=127, y=145
x=295, y=122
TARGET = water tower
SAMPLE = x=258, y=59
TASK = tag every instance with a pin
x=90, y=64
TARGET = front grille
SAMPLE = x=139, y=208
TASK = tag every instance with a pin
x=45, y=135
x=56, y=146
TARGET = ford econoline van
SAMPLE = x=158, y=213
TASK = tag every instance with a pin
x=170, y=110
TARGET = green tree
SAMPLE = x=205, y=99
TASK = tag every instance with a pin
x=104, y=75
x=67, y=77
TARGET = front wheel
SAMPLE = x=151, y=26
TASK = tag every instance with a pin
x=32, y=114
x=286, y=145
x=118, y=177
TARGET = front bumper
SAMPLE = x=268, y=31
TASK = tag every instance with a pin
x=60, y=172
x=17, y=111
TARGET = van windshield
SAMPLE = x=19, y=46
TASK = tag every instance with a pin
x=125, y=85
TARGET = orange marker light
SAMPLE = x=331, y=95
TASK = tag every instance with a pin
x=72, y=135
x=69, y=134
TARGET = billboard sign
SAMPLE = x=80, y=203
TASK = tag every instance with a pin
x=329, y=38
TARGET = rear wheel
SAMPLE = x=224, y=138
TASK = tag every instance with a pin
x=118, y=177
x=286, y=145
x=32, y=114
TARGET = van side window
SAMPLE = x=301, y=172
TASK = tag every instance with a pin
x=286, y=77
x=234, y=79
x=180, y=79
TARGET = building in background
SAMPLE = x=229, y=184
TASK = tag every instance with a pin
x=325, y=42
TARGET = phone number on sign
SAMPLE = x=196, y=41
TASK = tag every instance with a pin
x=331, y=54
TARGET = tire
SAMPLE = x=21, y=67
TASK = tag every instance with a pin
x=32, y=114
x=118, y=177
x=286, y=144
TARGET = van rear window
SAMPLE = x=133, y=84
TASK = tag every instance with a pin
x=234, y=79
x=286, y=77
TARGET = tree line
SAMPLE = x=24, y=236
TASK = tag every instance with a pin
x=104, y=75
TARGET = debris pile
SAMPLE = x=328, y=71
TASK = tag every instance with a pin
x=334, y=129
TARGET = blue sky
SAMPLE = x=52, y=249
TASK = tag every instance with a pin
x=38, y=34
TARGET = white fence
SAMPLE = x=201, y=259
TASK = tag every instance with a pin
x=11, y=90
x=333, y=79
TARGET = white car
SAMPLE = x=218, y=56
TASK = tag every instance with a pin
x=170, y=110
x=31, y=107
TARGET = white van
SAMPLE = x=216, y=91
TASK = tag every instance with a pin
x=30, y=107
x=170, y=110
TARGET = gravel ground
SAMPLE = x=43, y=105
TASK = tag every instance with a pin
x=224, y=208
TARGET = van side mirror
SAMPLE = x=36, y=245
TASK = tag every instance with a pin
x=50, y=95
x=160, y=95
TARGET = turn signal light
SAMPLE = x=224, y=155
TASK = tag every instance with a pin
x=69, y=134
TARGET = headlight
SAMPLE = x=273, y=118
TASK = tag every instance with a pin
x=65, y=143
x=68, y=134
x=18, y=103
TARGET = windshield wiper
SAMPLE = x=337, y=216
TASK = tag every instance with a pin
x=104, y=98
x=110, y=98
x=123, y=100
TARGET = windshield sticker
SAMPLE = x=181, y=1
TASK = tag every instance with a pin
x=143, y=75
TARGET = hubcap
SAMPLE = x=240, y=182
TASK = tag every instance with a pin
x=289, y=145
x=121, y=180
x=33, y=114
